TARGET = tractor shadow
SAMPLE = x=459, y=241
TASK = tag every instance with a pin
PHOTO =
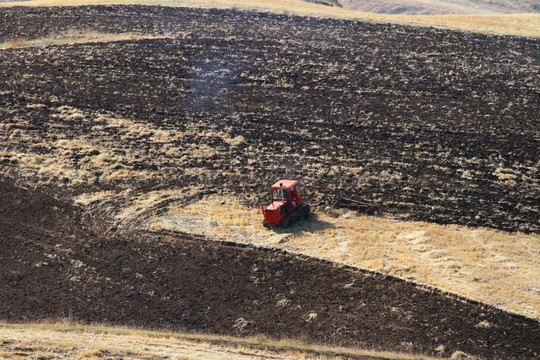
x=312, y=225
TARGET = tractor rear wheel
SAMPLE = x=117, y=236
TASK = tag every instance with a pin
x=305, y=212
x=286, y=222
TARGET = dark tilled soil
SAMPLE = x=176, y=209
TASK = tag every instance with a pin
x=431, y=124
x=54, y=265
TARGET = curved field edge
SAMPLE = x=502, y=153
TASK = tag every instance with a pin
x=501, y=270
x=57, y=340
x=504, y=24
x=71, y=268
x=491, y=266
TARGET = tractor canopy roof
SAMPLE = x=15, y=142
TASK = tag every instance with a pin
x=286, y=184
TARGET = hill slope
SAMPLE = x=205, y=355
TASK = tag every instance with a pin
x=59, y=265
x=434, y=125
x=443, y=7
x=154, y=114
x=510, y=24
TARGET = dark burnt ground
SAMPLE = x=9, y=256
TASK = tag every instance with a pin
x=53, y=264
x=433, y=125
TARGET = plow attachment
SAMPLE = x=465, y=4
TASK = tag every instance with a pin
x=354, y=205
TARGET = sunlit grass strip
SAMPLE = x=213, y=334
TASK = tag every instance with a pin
x=507, y=24
x=70, y=39
x=259, y=342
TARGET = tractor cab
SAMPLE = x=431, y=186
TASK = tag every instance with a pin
x=287, y=205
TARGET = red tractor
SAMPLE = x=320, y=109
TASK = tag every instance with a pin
x=287, y=205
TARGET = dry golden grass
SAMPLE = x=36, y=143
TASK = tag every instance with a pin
x=495, y=267
x=71, y=38
x=52, y=341
x=511, y=24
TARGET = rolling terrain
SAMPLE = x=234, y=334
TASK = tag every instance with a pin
x=424, y=7
x=61, y=266
x=110, y=125
x=521, y=24
x=388, y=118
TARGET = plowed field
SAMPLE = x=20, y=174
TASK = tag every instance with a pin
x=433, y=125
x=430, y=124
x=55, y=268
